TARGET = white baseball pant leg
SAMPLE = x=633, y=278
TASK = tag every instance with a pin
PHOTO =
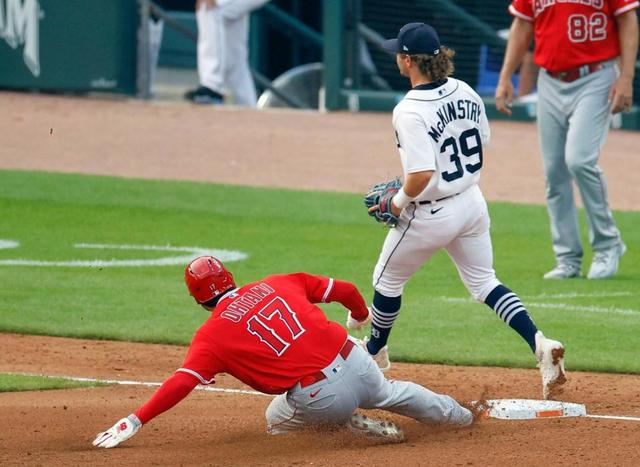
x=461, y=227
x=211, y=48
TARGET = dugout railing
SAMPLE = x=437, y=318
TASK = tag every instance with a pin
x=473, y=28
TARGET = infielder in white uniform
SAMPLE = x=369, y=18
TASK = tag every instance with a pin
x=223, y=53
x=441, y=129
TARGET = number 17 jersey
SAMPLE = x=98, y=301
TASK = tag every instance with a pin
x=270, y=334
x=442, y=126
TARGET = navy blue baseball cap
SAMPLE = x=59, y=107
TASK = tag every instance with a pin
x=414, y=39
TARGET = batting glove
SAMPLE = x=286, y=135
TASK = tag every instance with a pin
x=356, y=325
x=121, y=431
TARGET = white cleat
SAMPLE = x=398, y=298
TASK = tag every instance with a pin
x=381, y=358
x=379, y=429
x=605, y=263
x=550, y=355
x=563, y=271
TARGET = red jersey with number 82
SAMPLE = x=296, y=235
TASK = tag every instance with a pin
x=571, y=33
x=269, y=334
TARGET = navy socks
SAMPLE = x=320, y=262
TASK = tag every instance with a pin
x=510, y=309
x=385, y=310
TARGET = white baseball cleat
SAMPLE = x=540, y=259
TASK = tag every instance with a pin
x=379, y=429
x=550, y=355
x=381, y=358
x=605, y=263
x=563, y=271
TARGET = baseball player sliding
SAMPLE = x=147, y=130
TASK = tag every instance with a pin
x=580, y=85
x=271, y=336
x=441, y=130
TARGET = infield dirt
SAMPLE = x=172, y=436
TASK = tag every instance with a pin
x=343, y=152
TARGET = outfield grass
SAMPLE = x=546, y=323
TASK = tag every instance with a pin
x=13, y=383
x=282, y=231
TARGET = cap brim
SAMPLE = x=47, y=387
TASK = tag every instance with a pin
x=391, y=45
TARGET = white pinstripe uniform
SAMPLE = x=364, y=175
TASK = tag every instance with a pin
x=441, y=127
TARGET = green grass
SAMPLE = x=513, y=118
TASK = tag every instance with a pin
x=285, y=231
x=12, y=383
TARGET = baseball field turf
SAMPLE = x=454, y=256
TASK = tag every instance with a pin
x=83, y=256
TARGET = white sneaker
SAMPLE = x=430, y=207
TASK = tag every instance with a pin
x=605, y=263
x=381, y=358
x=379, y=429
x=550, y=355
x=563, y=271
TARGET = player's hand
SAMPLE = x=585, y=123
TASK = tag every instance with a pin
x=504, y=96
x=621, y=95
x=356, y=325
x=121, y=431
x=206, y=3
x=395, y=210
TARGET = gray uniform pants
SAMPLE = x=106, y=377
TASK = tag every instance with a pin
x=358, y=382
x=573, y=121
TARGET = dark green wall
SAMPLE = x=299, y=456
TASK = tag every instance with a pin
x=80, y=45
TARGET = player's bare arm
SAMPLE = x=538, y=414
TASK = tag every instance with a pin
x=621, y=94
x=520, y=36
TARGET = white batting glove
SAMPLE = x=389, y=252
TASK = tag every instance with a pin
x=121, y=431
x=356, y=325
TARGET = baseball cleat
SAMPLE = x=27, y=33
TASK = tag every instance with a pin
x=379, y=429
x=381, y=358
x=605, y=263
x=550, y=355
x=204, y=95
x=563, y=271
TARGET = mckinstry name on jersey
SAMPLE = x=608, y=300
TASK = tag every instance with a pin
x=460, y=109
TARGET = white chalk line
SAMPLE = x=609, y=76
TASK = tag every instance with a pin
x=237, y=391
x=562, y=306
x=581, y=295
x=144, y=383
x=614, y=417
x=192, y=252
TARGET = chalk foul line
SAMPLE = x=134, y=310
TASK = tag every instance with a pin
x=240, y=391
x=145, y=383
x=558, y=306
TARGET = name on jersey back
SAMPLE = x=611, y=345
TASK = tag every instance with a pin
x=452, y=111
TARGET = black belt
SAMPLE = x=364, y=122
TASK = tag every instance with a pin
x=319, y=375
x=426, y=201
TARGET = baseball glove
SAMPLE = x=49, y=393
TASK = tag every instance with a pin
x=380, y=196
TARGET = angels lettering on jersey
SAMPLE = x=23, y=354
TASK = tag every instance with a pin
x=571, y=33
x=442, y=127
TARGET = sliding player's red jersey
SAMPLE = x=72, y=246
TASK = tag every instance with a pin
x=269, y=334
x=572, y=33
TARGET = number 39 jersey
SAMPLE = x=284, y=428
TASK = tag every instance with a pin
x=442, y=126
x=572, y=33
x=269, y=334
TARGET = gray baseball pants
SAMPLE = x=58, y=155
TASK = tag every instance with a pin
x=353, y=383
x=573, y=121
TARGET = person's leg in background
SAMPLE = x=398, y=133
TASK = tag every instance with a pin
x=211, y=55
x=563, y=216
x=588, y=127
x=237, y=73
x=156, y=27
